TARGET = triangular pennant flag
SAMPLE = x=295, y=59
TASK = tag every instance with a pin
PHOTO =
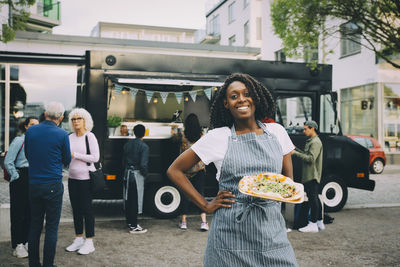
x=118, y=89
x=164, y=96
x=208, y=93
x=133, y=92
x=193, y=95
x=178, y=96
x=149, y=95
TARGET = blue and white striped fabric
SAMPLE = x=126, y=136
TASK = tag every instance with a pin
x=253, y=231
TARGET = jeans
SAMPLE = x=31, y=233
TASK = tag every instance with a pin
x=314, y=204
x=19, y=208
x=46, y=200
x=80, y=195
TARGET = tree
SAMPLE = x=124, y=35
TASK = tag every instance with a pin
x=302, y=24
x=17, y=17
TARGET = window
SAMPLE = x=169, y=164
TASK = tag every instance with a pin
x=391, y=116
x=280, y=56
x=292, y=112
x=232, y=40
x=156, y=103
x=311, y=54
x=31, y=87
x=213, y=28
x=355, y=117
x=258, y=28
x=327, y=120
x=350, y=39
x=245, y=3
x=231, y=14
x=246, y=33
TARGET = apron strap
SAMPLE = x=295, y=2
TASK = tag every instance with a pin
x=260, y=124
x=247, y=205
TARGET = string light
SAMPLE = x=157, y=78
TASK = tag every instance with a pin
x=186, y=98
x=155, y=100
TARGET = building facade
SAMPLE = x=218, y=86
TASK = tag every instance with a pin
x=368, y=88
x=143, y=32
x=234, y=23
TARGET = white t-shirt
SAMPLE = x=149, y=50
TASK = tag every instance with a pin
x=213, y=146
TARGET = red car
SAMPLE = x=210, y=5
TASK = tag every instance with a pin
x=377, y=159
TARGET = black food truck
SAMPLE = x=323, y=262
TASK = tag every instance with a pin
x=158, y=91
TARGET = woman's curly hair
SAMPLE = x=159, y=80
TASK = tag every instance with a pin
x=262, y=97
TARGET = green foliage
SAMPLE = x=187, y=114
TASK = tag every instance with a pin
x=302, y=24
x=114, y=121
x=18, y=19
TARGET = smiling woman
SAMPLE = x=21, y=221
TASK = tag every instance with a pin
x=245, y=230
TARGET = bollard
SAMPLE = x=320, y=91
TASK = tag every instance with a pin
x=5, y=234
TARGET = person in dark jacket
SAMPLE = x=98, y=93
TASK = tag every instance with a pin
x=47, y=149
x=135, y=160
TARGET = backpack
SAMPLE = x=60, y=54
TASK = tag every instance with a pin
x=7, y=176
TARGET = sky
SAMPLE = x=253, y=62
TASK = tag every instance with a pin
x=78, y=17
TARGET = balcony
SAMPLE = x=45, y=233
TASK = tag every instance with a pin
x=207, y=38
x=45, y=15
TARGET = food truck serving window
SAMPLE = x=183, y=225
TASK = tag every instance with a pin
x=156, y=103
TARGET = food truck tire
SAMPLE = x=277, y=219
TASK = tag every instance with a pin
x=334, y=193
x=163, y=201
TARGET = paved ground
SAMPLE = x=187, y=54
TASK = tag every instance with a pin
x=358, y=237
x=361, y=235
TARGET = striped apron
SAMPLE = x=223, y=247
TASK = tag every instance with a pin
x=252, y=232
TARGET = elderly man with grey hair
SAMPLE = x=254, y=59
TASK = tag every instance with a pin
x=47, y=149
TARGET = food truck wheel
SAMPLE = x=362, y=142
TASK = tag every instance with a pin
x=164, y=201
x=334, y=193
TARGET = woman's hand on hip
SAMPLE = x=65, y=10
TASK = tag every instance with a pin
x=220, y=201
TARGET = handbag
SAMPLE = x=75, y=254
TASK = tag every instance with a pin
x=97, y=180
x=6, y=175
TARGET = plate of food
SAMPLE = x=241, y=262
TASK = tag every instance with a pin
x=272, y=186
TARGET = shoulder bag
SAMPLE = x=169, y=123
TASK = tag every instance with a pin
x=96, y=177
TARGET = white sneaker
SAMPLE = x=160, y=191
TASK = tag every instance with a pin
x=310, y=228
x=20, y=251
x=77, y=244
x=137, y=230
x=183, y=225
x=321, y=225
x=87, y=247
x=204, y=226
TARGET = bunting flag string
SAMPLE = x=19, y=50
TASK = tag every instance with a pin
x=118, y=89
x=207, y=92
x=149, y=95
x=193, y=95
x=179, y=96
x=133, y=92
x=164, y=95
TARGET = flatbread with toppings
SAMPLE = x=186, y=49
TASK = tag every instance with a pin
x=272, y=186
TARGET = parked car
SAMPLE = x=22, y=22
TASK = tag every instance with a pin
x=377, y=159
